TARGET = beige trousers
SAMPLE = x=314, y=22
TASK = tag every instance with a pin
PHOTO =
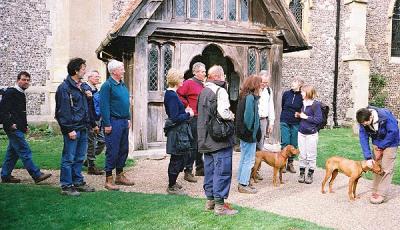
x=381, y=184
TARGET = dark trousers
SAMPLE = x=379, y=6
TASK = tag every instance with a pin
x=117, y=145
x=18, y=148
x=218, y=173
x=96, y=144
x=289, y=136
x=194, y=155
x=176, y=164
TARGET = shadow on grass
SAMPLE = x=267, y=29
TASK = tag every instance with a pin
x=42, y=207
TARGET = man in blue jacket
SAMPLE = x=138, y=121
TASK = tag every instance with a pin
x=381, y=126
x=73, y=117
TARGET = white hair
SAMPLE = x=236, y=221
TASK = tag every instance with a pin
x=114, y=64
x=196, y=67
x=90, y=73
x=265, y=73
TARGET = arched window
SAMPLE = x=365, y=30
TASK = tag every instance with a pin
x=180, y=8
x=194, y=8
x=153, y=67
x=167, y=57
x=206, y=9
x=219, y=9
x=264, y=59
x=251, y=61
x=396, y=30
x=232, y=10
x=244, y=10
x=297, y=10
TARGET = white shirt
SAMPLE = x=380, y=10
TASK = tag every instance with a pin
x=222, y=101
x=266, y=106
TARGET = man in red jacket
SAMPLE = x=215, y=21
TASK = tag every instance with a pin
x=189, y=93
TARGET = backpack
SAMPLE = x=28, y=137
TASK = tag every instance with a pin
x=2, y=92
x=96, y=103
x=219, y=129
x=325, y=112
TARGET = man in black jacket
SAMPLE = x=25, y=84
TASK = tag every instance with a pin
x=73, y=117
x=13, y=115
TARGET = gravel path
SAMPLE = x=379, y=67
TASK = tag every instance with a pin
x=291, y=199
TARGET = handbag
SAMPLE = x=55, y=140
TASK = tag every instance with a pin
x=219, y=129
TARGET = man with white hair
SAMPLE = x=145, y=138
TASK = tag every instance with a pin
x=217, y=154
x=265, y=108
x=188, y=94
x=114, y=108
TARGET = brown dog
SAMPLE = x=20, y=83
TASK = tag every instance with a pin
x=350, y=168
x=275, y=159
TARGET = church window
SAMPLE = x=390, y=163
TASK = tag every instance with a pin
x=297, y=10
x=180, y=8
x=264, y=59
x=251, y=61
x=194, y=8
x=244, y=10
x=219, y=9
x=167, y=57
x=232, y=10
x=153, y=67
x=396, y=30
x=206, y=9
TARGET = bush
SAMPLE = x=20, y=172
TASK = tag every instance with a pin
x=376, y=85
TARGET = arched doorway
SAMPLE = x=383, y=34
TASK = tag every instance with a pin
x=212, y=55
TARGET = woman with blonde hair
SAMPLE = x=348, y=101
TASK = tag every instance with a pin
x=177, y=130
x=248, y=130
x=311, y=117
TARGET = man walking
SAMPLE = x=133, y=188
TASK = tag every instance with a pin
x=188, y=94
x=217, y=155
x=73, y=117
x=13, y=115
x=96, y=142
x=114, y=107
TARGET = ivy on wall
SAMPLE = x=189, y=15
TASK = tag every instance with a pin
x=377, y=96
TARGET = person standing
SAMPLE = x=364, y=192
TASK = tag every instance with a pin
x=311, y=117
x=248, y=130
x=266, y=108
x=381, y=126
x=13, y=115
x=217, y=155
x=177, y=130
x=115, y=112
x=189, y=93
x=292, y=101
x=73, y=117
x=96, y=142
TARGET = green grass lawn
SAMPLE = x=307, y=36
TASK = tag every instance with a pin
x=342, y=142
x=42, y=207
x=47, y=151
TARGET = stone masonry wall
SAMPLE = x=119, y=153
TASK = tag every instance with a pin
x=25, y=25
x=378, y=37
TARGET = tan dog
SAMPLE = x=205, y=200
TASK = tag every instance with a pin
x=275, y=159
x=350, y=168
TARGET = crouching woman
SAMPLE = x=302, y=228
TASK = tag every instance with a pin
x=177, y=130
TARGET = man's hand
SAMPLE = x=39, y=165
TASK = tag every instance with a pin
x=370, y=163
x=88, y=93
x=107, y=130
x=72, y=135
x=378, y=153
x=270, y=129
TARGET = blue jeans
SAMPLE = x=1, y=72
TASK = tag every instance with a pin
x=73, y=155
x=218, y=173
x=247, y=159
x=117, y=145
x=18, y=148
x=289, y=136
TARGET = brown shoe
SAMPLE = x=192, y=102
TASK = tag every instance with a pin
x=175, y=190
x=290, y=167
x=210, y=204
x=121, y=179
x=42, y=177
x=190, y=177
x=110, y=184
x=92, y=170
x=224, y=209
x=246, y=189
x=10, y=179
